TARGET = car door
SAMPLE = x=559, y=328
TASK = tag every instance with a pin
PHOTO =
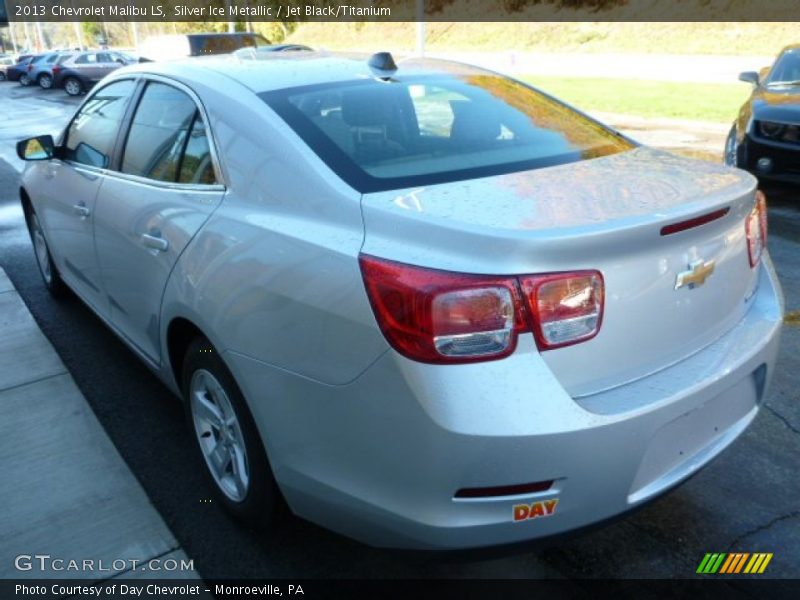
x=71, y=183
x=87, y=67
x=167, y=187
x=106, y=64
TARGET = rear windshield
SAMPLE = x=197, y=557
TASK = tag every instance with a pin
x=382, y=135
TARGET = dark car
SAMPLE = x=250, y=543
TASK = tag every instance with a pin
x=14, y=72
x=82, y=70
x=765, y=139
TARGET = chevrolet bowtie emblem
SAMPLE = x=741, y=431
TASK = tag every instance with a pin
x=695, y=275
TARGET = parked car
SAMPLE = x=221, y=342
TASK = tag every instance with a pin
x=5, y=63
x=430, y=305
x=170, y=47
x=254, y=52
x=765, y=138
x=42, y=72
x=81, y=71
x=19, y=72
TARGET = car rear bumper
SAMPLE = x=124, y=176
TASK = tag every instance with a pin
x=381, y=458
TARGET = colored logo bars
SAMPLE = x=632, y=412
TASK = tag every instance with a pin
x=736, y=562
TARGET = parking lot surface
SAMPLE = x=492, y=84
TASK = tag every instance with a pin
x=746, y=500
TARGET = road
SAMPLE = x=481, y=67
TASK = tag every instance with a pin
x=746, y=500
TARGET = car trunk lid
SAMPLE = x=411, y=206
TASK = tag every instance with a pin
x=605, y=214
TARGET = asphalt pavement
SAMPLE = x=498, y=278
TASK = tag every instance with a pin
x=746, y=500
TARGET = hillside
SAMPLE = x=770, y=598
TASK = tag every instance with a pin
x=764, y=39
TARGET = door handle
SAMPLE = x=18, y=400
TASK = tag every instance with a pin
x=155, y=242
x=81, y=210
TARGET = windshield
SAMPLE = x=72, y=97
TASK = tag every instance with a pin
x=381, y=135
x=786, y=69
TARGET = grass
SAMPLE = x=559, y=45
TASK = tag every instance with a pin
x=714, y=102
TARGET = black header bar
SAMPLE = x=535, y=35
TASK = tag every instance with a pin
x=400, y=10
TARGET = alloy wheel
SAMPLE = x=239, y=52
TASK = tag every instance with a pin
x=219, y=434
x=73, y=87
x=40, y=247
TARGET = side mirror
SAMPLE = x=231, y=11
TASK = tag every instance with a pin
x=749, y=77
x=37, y=148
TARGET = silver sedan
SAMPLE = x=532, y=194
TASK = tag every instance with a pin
x=427, y=305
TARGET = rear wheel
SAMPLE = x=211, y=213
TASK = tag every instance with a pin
x=230, y=447
x=73, y=86
x=24, y=80
x=2, y=75
x=50, y=276
x=45, y=81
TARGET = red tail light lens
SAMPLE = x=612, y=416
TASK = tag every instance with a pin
x=756, y=229
x=441, y=317
x=56, y=70
x=566, y=308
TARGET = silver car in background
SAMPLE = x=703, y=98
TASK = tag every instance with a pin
x=427, y=305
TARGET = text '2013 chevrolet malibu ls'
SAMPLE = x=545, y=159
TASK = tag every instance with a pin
x=426, y=304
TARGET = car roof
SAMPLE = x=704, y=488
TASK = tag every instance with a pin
x=269, y=71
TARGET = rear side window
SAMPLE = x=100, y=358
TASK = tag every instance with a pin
x=93, y=132
x=84, y=59
x=196, y=167
x=167, y=140
x=382, y=135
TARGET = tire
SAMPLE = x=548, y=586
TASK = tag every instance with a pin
x=45, y=81
x=210, y=392
x=73, y=86
x=2, y=76
x=24, y=80
x=44, y=260
x=731, y=154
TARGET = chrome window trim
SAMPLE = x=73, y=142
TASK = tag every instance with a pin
x=212, y=142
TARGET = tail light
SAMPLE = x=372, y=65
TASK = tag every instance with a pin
x=756, y=229
x=441, y=317
x=30, y=67
x=56, y=70
x=566, y=308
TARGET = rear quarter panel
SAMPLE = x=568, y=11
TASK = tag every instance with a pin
x=274, y=274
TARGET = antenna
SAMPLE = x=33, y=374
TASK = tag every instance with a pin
x=383, y=61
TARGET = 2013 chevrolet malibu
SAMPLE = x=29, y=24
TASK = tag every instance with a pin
x=430, y=306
